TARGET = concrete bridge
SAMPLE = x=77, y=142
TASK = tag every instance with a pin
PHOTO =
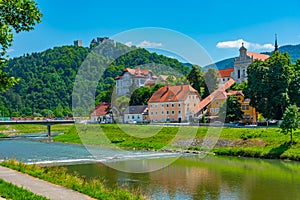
x=47, y=123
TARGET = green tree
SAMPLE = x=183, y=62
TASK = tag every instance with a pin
x=231, y=108
x=290, y=121
x=294, y=87
x=211, y=81
x=196, y=79
x=15, y=16
x=268, y=85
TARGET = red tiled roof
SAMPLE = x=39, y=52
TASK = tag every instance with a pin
x=172, y=93
x=235, y=92
x=258, y=56
x=138, y=73
x=220, y=92
x=225, y=72
x=150, y=83
x=101, y=109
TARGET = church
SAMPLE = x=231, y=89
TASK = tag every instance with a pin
x=239, y=70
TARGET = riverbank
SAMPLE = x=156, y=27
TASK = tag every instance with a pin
x=59, y=176
x=248, y=142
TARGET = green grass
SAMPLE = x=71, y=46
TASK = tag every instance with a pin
x=10, y=191
x=58, y=175
x=250, y=142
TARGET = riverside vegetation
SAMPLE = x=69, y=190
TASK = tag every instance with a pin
x=10, y=191
x=59, y=175
x=249, y=142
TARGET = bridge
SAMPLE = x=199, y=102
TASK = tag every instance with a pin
x=47, y=123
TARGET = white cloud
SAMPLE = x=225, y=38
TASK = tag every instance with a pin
x=238, y=44
x=146, y=43
x=129, y=43
x=10, y=50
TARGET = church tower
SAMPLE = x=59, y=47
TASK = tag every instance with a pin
x=276, y=45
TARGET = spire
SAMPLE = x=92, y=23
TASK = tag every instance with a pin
x=276, y=45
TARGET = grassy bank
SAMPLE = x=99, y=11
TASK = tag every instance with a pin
x=58, y=175
x=248, y=142
x=10, y=191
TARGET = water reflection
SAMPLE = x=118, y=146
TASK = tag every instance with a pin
x=209, y=178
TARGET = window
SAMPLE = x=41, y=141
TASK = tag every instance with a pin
x=151, y=106
x=239, y=73
x=162, y=105
x=217, y=110
x=155, y=113
x=132, y=117
x=179, y=105
x=172, y=105
x=167, y=112
x=211, y=110
x=173, y=112
x=179, y=112
x=155, y=105
x=223, y=79
x=167, y=105
x=247, y=107
x=151, y=113
x=162, y=112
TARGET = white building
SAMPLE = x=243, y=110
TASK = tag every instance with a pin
x=125, y=80
x=135, y=114
x=241, y=63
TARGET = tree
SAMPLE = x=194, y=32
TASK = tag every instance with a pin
x=211, y=81
x=196, y=79
x=290, y=121
x=268, y=85
x=294, y=87
x=231, y=109
x=15, y=15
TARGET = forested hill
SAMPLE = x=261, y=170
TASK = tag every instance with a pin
x=293, y=50
x=46, y=78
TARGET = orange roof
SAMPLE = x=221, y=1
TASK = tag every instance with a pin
x=138, y=73
x=101, y=109
x=225, y=72
x=236, y=92
x=217, y=94
x=258, y=56
x=172, y=93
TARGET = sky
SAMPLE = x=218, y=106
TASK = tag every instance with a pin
x=218, y=26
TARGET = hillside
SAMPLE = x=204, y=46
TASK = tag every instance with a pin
x=47, y=77
x=292, y=50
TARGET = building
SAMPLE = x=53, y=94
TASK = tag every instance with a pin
x=224, y=75
x=173, y=104
x=99, y=115
x=132, y=78
x=134, y=114
x=239, y=73
x=250, y=114
x=214, y=98
x=78, y=43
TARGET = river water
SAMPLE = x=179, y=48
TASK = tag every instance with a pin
x=189, y=177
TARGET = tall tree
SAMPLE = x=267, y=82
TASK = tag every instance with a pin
x=290, y=121
x=268, y=85
x=196, y=79
x=211, y=81
x=294, y=87
x=231, y=109
x=15, y=15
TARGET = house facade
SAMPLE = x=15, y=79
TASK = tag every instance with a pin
x=136, y=114
x=224, y=75
x=173, y=104
x=99, y=115
x=131, y=77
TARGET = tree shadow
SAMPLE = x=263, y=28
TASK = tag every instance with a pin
x=279, y=150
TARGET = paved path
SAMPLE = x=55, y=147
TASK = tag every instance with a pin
x=39, y=187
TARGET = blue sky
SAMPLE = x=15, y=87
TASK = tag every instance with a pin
x=218, y=26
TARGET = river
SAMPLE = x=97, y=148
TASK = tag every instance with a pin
x=189, y=177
